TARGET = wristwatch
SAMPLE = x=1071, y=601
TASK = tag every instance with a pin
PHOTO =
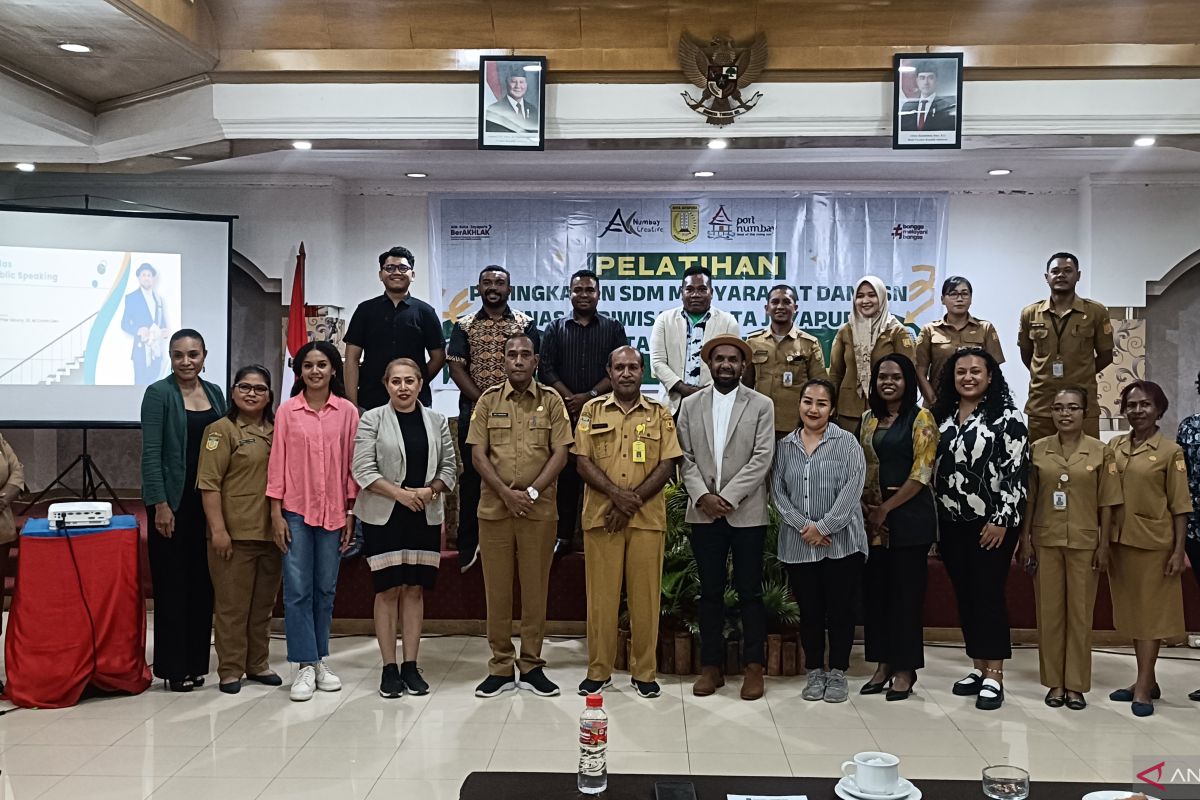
x=594, y=393
x=533, y=493
x=435, y=493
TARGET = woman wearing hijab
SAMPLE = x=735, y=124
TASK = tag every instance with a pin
x=871, y=334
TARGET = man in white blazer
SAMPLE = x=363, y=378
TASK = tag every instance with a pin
x=727, y=432
x=679, y=333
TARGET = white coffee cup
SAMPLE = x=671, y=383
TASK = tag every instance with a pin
x=876, y=773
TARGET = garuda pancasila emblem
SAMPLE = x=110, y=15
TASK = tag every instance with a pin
x=722, y=71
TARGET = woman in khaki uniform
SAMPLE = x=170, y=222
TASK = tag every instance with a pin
x=1148, y=549
x=12, y=481
x=871, y=334
x=243, y=560
x=1072, y=493
x=955, y=331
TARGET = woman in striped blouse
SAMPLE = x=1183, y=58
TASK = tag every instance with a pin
x=816, y=485
x=980, y=485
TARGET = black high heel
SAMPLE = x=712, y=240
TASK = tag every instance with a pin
x=874, y=688
x=900, y=694
x=197, y=681
x=184, y=685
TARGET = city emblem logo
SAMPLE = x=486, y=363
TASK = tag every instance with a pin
x=685, y=222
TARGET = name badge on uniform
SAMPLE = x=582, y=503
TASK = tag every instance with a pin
x=639, y=452
x=246, y=441
x=1056, y=368
x=787, y=378
x=1060, y=500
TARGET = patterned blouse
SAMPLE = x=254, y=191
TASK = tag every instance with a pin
x=925, y=439
x=983, y=468
x=1189, y=439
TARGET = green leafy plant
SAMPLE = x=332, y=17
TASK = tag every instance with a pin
x=681, y=579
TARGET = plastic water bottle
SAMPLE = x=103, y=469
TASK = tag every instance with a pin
x=593, y=746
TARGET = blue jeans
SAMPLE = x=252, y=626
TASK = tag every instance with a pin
x=310, y=571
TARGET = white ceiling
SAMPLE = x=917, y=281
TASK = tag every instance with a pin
x=607, y=166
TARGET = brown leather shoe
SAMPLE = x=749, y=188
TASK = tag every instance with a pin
x=753, y=686
x=709, y=681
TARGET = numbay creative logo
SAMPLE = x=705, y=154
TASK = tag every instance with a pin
x=631, y=224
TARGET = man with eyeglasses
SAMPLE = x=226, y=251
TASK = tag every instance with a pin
x=679, y=333
x=575, y=350
x=390, y=326
x=1065, y=341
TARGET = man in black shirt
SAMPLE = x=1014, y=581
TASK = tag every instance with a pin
x=390, y=326
x=575, y=353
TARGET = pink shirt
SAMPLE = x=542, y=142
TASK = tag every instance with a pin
x=309, y=468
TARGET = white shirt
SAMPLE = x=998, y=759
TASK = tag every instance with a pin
x=151, y=304
x=722, y=409
x=518, y=106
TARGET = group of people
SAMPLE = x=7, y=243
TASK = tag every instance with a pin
x=895, y=448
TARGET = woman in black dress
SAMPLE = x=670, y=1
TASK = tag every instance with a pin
x=404, y=459
x=175, y=412
x=899, y=441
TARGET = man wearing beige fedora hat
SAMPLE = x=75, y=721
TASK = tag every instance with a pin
x=727, y=432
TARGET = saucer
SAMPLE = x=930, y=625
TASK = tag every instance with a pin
x=847, y=790
x=1111, y=794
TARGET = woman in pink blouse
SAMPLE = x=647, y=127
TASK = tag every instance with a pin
x=312, y=492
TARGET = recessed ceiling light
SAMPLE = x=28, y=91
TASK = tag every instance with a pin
x=702, y=174
x=302, y=145
x=532, y=67
x=718, y=144
x=26, y=167
x=1144, y=141
x=999, y=172
x=415, y=175
x=72, y=47
x=182, y=158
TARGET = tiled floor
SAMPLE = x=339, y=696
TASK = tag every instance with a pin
x=354, y=744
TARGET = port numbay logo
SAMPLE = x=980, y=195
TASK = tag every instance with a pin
x=725, y=226
x=685, y=223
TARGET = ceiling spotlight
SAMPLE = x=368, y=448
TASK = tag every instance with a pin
x=718, y=144
x=999, y=172
x=302, y=145
x=26, y=167
x=72, y=47
x=703, y=174
x=532, y=67
x=415, y=175
x=182, y=158
x=1144, y=141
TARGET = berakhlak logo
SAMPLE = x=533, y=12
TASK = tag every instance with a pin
x=1157, y=771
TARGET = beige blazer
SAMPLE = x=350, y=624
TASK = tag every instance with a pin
x=745, y=464
x=668, y=348
x=379, y=453
x=11, y=474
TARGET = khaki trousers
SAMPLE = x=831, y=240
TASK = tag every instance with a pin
x=635, y=555
x=1041, y=427
x=526, y=548
x=1065, y=592
x=244, y=590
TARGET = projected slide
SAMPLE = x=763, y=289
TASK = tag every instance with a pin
x=86, y=317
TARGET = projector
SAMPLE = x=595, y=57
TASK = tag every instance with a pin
x=80, y=515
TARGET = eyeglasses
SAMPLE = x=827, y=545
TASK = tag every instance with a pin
x=961, y=294
x=251, y=388
x=1073, y=408
x=390, y=268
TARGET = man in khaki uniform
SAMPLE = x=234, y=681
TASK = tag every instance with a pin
x=783, y=358
x=1065, y=341
x=520, y=436
x=626, y=450
x=245, y=564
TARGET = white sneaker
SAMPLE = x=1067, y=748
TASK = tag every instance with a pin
x=326, y=680
x=305, y=684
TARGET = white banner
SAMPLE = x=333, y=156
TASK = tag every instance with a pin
x=820, y=244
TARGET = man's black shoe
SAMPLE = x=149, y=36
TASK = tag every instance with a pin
x=588, y=686
x=536, y=681
x=494, y=685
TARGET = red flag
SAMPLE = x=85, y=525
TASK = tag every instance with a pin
x=297, y=335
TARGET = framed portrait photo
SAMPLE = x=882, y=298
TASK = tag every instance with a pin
x=927, y=101
x=512, y=103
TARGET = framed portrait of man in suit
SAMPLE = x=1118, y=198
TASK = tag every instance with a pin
x=927, y=101
x=512, y=103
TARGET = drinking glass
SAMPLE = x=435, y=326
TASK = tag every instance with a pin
x=1002, y=782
